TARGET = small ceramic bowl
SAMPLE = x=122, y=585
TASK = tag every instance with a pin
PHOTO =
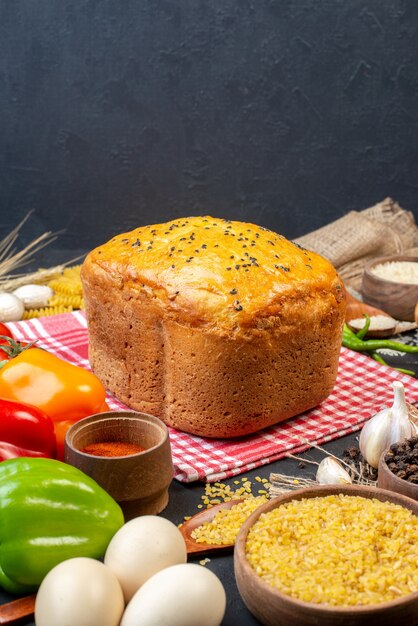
x=273, y=608
x=388, y=480
x=396, y=299
x=138, y=482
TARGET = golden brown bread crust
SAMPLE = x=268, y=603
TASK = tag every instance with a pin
x=244, y=331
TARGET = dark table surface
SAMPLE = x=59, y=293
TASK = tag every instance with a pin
x=185, y=498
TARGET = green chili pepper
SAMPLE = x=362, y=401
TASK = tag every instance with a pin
x=49, y=512
x=376, y=357
x=382, y=361
x=363, y=331
x=351, y=340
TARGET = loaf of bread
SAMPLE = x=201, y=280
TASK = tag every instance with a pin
x=218, y=327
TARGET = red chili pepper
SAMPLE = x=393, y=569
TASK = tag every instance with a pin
x=25, y=431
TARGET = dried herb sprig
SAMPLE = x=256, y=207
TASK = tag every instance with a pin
x=282, y=483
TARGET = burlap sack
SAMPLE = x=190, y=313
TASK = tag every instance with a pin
x=352, y=240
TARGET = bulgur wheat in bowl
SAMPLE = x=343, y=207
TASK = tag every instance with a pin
x=331, y=555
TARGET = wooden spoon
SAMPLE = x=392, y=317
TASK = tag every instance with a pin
x=20, y=611
x=186, y=529
x=357, y=310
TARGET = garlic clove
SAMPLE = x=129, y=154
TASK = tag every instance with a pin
x=374, y=437
x=34, y=296
x=388, y=426
x=11, y=308
x=331, y=472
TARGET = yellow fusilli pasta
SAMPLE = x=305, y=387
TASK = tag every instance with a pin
x=69, y=283
x=49, y=310
x=61, y=299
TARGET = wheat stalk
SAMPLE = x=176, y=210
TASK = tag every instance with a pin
x=44, y=275
x=11, y=258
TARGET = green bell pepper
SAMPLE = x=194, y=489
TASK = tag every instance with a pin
x=49, y=512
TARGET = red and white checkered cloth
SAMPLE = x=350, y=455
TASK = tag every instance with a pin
x=363, y=387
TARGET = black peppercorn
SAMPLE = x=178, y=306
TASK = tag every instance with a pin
x=401, y=459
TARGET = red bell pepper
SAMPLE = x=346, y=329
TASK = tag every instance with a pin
x=25, y=431
x=66, y=392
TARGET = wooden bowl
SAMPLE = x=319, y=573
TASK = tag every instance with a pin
x=273, y=608
x=138, y=482
x=388, y=480
x=396, y=299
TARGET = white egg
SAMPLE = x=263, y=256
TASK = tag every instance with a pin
x=181, y=595
x=79, y=592
x=143, y=546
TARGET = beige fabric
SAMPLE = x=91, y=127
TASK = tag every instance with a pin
x=358, y=236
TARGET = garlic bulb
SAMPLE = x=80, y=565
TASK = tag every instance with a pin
x=34, y=296
x=388, y=426
x=331, y=472
x=11, y=308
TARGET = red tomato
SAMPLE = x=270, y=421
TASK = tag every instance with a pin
x=9, y=348
x=5, y=332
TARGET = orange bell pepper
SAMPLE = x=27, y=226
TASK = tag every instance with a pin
x=65, y=392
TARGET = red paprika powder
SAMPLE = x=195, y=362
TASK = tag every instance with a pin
x=112, y=448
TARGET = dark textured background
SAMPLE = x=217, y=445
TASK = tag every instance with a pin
x=283, y=112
